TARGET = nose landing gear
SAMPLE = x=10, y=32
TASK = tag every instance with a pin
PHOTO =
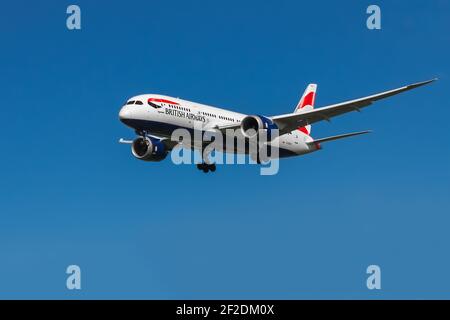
x=206, y=167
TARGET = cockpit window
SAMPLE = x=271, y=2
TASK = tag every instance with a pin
x=130, y=102
x=139, y=102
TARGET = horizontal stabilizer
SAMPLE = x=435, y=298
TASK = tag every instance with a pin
x=341, y=136
x=122, y=140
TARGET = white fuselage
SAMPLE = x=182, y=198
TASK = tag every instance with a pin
x=160, y=115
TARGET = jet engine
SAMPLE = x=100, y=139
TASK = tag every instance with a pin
x=149, y=149
x=253, y=125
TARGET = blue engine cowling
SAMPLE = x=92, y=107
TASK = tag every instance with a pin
x=251, y=126
x=149, y=149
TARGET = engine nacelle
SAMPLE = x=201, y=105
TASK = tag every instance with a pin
x=149, y=149
x=251, y=126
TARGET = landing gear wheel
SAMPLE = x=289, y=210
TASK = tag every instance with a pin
x=203, y=167
x=206, y=167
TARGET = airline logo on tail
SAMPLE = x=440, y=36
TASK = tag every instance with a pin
x=307, y=103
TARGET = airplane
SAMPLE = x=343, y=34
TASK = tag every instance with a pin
x=155, y=117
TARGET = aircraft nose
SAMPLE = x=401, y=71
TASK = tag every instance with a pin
x=124, y=113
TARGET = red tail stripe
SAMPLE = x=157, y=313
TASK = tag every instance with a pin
x=308, y=100
x=303, y=129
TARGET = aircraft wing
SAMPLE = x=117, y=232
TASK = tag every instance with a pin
x=289, y=122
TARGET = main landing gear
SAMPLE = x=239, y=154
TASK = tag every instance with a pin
x=206, y=167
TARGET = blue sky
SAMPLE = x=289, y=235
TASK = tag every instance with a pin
x=70, y=194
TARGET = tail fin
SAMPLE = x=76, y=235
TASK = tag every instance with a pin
x=307, y=103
